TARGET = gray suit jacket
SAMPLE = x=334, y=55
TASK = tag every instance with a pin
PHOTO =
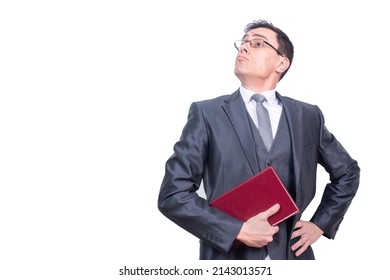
x=216, y=146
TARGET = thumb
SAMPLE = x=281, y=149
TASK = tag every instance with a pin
x=272, y=210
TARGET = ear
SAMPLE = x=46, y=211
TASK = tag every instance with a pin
x=283, y=65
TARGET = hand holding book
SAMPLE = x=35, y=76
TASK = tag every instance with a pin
x=257, y=232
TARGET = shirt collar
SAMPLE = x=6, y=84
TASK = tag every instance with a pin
x=247, y=94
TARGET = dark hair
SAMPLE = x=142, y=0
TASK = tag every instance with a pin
x=286, y=47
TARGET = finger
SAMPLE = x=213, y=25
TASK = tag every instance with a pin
x=298, y=230
x=300, y=251
x=296, y=245
x=299, y=224
x=272, y=210
x=295, y=233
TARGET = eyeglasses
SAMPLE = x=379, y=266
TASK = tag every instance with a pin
x=255, y=43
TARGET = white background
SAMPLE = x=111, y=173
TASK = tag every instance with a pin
x=94, y=94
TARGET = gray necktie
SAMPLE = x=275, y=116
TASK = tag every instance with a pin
x=263, y=120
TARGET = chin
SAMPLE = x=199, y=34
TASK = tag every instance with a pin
x=239, y=72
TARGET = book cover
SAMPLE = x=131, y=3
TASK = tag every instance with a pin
x=256, y=195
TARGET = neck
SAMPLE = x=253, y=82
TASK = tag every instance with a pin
x=258, y=84
x=258, y=88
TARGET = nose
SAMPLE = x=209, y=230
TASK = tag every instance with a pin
x=245, y=47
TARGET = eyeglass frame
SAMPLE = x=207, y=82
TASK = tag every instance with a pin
x=250, y=44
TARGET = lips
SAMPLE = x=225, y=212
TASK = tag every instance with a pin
x=241, y=58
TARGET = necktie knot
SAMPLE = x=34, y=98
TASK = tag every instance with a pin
x=259, y=98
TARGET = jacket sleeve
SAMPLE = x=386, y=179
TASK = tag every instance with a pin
x=178, y=199
x=344, y=175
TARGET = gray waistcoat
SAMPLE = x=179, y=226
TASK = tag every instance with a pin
x=279, y=157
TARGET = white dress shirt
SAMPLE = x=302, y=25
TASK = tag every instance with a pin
x=272, y=104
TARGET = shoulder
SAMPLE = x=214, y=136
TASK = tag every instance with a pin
x=294, y=104
x=217, y=101
x=302, y=110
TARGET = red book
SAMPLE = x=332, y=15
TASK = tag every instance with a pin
x=256, y=195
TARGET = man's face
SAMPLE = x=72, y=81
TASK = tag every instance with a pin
x=257, y=62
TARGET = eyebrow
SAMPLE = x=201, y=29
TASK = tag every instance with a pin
x=256, y=35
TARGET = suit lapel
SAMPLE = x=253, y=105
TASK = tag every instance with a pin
x=236, y=111
x=294, y=121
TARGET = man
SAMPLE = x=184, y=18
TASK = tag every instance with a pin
x=221, y=144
